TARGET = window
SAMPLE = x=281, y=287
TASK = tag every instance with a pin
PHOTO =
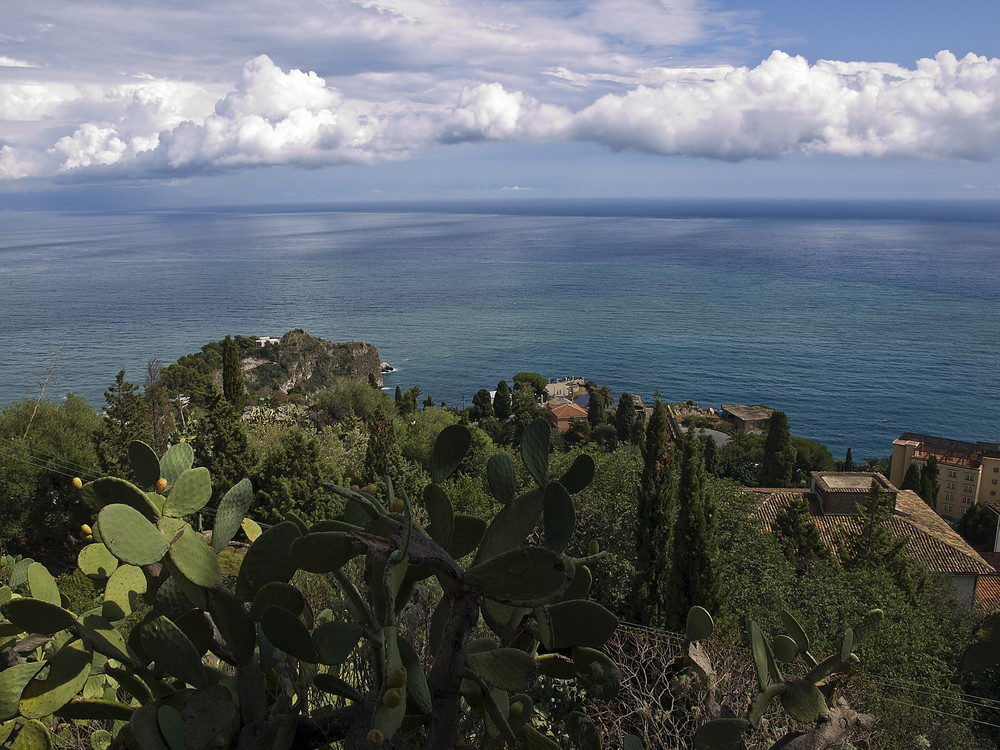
x=951, y=485
x=993, y=492
x=967, y=488
x=952, y=473
x=947, y=508
x=967, y=500
x=949, y=496
x=970, y=477
x=994, y=481
x=996, y=469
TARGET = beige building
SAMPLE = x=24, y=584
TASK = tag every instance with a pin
x=568, y=388
x=968, y=473
x=748, y=417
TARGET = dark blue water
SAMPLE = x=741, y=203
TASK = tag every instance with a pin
x=860, y=322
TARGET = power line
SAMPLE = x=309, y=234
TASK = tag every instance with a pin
x=932, y=710
x=937, y=692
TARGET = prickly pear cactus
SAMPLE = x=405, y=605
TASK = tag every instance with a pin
x=812, y=700
x=173, y=658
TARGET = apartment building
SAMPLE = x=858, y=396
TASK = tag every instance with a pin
x=968, y=473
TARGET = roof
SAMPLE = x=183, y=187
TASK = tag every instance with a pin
x=949, y=451
x=748, y=413
x=988, y=593
x=567, y=411
x=849, y=481
x=930, y=539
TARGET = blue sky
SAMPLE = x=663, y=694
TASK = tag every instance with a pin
x=143, y=103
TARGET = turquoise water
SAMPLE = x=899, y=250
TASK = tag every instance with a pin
x=859, y=323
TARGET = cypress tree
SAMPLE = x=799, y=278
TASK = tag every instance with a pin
x=482, y=405
x=711, y=451
x=625, y=417
x=597, y=413
x=654, y=516
x=233, y=388
x=912, y=480
x=694, y=565
x=849, y=462
x=222, y=445
x=502, y=401
x=778, y=464
x=929, y=484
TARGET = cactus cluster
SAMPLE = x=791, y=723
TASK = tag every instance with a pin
x=172, y=658
x=811, y=700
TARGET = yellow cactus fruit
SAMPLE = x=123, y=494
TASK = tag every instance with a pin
x=516, y=708
x=85, y=529
x=375, y=738
x=161, y=484
x=77, y=483
x=392, y=698
x=397, y=506
x=397, y=677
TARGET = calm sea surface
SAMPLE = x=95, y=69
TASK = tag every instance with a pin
x=859, y=322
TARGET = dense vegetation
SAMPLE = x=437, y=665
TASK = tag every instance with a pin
x=674, y=524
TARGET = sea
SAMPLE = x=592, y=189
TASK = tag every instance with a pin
x=859, y=320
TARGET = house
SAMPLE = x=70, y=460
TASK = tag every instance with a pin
x=968, y=473
x=561, y=414
x=263, y=341
x=833, y=503
x=750, y=418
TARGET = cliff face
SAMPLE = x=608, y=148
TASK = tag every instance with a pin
x=309, y=363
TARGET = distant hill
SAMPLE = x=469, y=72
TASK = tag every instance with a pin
x=297, y=361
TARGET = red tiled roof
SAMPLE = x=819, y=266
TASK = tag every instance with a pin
x=988, y=593
x=568, y=411
x=929, y=538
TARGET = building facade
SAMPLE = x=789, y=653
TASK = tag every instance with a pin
x=968, y=473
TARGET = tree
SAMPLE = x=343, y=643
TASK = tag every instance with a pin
x=912, y=479
x=125, y=420
x=625, y=417
x=929, y=484
x=290, y=479
x=597, y=411
x=160, y=417
x=711, y=454
x=798, y=536
x=654, y=517
x=978, y=526
x=482, y=405
x=234, y=390
x=534, y=380
x=223, y=445
x=693, y=579
x=849, y=462
x=778, y=464
x=502, y=402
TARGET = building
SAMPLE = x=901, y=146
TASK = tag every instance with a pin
x=561, y=414
x=263, y=341
x=930, y=540
x=568, y=388
x=750, y=418
x=968, y=473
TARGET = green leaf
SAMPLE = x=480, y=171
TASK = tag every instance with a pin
x=145, y=464
x=42, y=585
x=449, y=449
x=267, y=559
x=33, y=736
x=130, y=536
x=699, y=624
x=575, y=623
x=96, y=561
x=67, y=673
x=12, y=682
x=580, y=474
x=511, y=525
x=524, y=576
x=232, y=510
x=535, y=450
x=785, y=649
x=190, y=493
x=287, y=632
x=505, y=668
x=501, y=478
x=172, y=651
x=178, y=459
x=36, y=616
x=803, y=701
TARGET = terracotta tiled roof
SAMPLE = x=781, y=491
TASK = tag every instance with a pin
x=929, y=538
x=568, y=411
x=988, y=593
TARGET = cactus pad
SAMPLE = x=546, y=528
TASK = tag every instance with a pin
x=145, y=464
x=178, y=459
x=699, y=624
x=12, y=682
x=172, y=651
x=803, y=701
x=34, y=616
x=505, y=668
x=324, y=551
x=267, y=559
x=440, y=512
x=720, y=734
x=559, y=517
x=501, y=478
x=130, y=536
x=334, y=641
x=575, y=623
x=525, y=576
x=511, y=525
x=286, y=632
x=231, y=512
x=42, y=585
x=189, y=494
x=449, y=449
x=67, y=673
x=535, y=450
x=579, y=475
x=190, y=553
x=96, y=561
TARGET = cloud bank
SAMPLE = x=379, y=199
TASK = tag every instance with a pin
x=402, y=76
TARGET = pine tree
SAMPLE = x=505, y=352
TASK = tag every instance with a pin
x=798, y=536
x=929, y=484
x=597, y=413
x=125, y=420
x=625, y=417
x=502, y=401
x=233, y=388
x=778, y=464
x=482, y=405
x=694, y=564
x=223, y=446
x=654, y=517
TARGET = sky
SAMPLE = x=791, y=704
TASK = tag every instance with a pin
x=185, y=103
